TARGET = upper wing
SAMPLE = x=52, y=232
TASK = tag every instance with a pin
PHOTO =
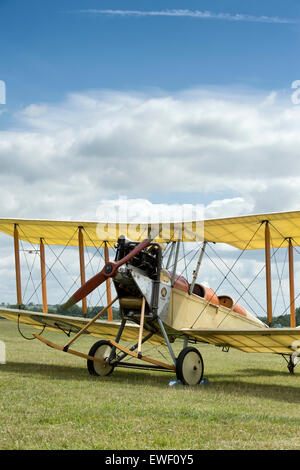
x=64, y=232
x=245, y=232
x=271, y=340
x=67, y=324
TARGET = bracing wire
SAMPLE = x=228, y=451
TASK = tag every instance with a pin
x=196, y=254
x=49, y=268
x=246, y=289
x=93, y=272
x=30, y=277
x=280, y=277
x=294, y=247
x=238, y=279
x=230, y=270
x=252, y=282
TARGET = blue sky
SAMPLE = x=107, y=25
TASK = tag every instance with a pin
x=48, y=49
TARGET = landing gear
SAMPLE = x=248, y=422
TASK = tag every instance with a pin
x=292, y=361
x=291, y=365
x=101, y=350
x=189, y=366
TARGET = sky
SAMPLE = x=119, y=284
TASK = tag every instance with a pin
x=168, y=102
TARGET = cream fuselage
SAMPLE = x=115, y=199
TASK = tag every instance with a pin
x=191, y=311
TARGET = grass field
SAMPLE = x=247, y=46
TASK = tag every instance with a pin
x=49, y=401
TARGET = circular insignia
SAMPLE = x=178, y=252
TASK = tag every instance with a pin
x=163, y=292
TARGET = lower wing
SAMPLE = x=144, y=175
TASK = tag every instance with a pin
x=271, y=340
x=67, y=324
x=260, y=340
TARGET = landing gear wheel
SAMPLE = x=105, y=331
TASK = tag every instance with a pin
x=189, y=366
x=101, y=350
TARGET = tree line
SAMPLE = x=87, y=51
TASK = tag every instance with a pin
x=76, y=311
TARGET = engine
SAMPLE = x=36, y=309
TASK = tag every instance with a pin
x=148, y=260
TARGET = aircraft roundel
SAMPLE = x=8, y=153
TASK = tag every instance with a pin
x=163, y=292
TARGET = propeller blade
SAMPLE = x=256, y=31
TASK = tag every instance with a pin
x=109, y=270
x=85, y=289
x=133, y=252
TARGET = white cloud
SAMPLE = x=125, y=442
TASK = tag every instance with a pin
x=193, y=14
x=232, y=207
x=270, y=99
x=66, y=157
x=140, y=210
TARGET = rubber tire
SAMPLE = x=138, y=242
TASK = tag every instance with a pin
x=95, y=368
x=189, y=374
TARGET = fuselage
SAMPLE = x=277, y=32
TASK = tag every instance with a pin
x=177, y=307
x=192, y=311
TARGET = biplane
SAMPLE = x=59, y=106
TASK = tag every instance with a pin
x=156, y=304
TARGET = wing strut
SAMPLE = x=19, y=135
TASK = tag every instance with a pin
x=43, y=276
x=108, y=283
x=17, y=264
x=195, y=275
x=292, y=287
x=82, y=266
x=66, y=347
x=175, y=263
x=139, y=351
x=268, y=271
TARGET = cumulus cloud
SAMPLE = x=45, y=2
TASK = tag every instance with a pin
x=64, y=158
x=140, y=210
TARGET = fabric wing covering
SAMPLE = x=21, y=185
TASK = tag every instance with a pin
x=66, y=324
x=245, y=232
x=271, y=340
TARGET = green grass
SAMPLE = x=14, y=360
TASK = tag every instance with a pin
x=49, y=401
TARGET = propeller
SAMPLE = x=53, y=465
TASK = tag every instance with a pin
x=109, y=270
